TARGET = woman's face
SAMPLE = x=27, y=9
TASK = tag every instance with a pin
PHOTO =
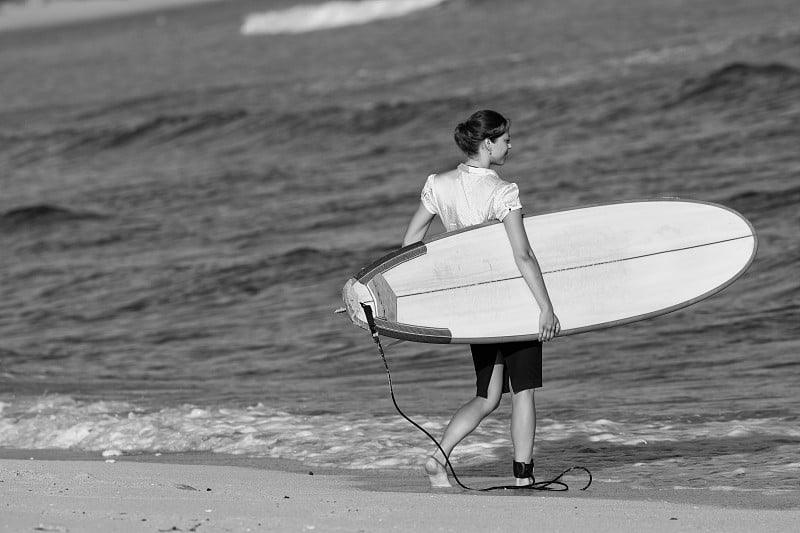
x=499, y=149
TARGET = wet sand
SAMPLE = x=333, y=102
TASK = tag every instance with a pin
x=65, y=491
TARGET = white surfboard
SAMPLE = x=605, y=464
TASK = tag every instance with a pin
x=603, y=265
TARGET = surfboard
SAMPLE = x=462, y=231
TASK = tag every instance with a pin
x=603, y=265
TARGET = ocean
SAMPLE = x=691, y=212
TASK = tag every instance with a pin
x=181, y=202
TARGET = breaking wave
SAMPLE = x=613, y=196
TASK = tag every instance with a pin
x=301, y=19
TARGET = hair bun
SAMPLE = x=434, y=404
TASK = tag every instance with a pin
x=485, y=124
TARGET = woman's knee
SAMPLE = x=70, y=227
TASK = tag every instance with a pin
x=523, y=396
x=489, y=404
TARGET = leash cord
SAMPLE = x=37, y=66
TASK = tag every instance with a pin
x=554, y=484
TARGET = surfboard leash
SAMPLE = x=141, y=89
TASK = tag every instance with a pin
x=554, y=484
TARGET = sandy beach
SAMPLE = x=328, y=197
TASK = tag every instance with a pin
x=146, y=493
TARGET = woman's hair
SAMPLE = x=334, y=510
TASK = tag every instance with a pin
x=485, y=124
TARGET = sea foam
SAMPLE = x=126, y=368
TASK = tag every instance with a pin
x=349, y=440
x=301, y=19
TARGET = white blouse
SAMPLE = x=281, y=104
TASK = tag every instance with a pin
x=469, y=196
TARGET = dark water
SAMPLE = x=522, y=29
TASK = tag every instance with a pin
x=180, y=206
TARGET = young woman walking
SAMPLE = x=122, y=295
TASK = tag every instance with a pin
x=473, y=193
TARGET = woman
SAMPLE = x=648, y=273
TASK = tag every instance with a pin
x=471, y=194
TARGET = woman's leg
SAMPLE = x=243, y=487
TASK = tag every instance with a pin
x=464, y=422
x=524, y=363
x=523, y=428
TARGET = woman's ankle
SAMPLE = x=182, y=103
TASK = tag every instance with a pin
x=437, y=473
x=523, y=471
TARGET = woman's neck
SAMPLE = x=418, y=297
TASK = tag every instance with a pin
x=477, y=162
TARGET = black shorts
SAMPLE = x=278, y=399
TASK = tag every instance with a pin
x=522, y=364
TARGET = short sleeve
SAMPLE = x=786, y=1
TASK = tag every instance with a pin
x=427, y=197
x=506, y=200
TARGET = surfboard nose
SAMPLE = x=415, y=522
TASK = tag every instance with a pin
x=354, y=294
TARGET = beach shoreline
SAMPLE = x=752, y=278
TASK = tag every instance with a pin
x=63, y=490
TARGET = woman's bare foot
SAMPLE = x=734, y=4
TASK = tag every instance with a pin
x=437, y=473
x=524, y=482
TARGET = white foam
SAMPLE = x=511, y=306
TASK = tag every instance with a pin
x=350, y=440
x=306, y=18
x=728, y=488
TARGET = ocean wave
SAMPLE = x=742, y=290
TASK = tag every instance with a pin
x=75, y=137
x=307, y=18
x=251, y=277
x=245, y=279
x=43, y=215
x=314, y=263
x=764, y=201
x=372, y=118
x=158, y=129
x=737, y=81
x=674, y=54
x=361, y=441
x=114, y=128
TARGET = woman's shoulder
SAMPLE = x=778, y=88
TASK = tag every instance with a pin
x=441, y=177
x=500, y=183
x=505, y=191
x=447, y=174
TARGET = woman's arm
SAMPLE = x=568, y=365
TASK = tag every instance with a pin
x=531, y=273
x=418, y=226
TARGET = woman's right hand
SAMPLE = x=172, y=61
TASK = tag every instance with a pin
x=549, y=326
